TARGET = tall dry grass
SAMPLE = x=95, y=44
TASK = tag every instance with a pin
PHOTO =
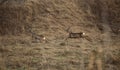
x=14, y=18
x=51, y=18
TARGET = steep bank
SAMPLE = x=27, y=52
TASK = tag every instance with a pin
x=21, y=19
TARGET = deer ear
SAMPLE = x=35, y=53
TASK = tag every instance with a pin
x=68, y=29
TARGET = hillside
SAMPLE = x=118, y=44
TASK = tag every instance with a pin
x=22, y=21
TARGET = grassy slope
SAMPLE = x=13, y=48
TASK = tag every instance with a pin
x=51, y=19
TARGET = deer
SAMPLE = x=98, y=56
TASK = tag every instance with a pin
x=77, y=35
x=37, y=38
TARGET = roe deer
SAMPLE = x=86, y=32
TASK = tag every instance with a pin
x=76, y=35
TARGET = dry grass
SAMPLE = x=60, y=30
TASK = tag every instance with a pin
x=99, y=51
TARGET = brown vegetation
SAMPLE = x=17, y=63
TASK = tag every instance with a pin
x=20, y=19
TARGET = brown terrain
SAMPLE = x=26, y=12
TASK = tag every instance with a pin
x=24, y=23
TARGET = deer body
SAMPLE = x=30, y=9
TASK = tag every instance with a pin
x=38, y=38
x=76, y=35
